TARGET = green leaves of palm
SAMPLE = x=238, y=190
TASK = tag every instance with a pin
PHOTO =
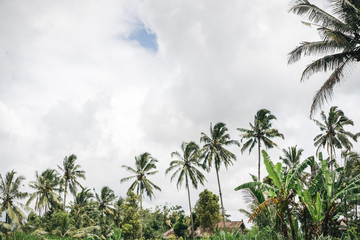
x=47, y=187
x=333, y=132
x=145, y=165
x=105, y=200
x=260, y=131
x=214, y=146
x=9, y=193
x=186, y=166
x=340, y=43
x=70, y=174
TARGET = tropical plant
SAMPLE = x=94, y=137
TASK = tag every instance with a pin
x=333, y=133
x=216, y=153
x=9, y=194
x=260, y=131
x=105, y=200
x=47, y=188
x=291, y=156
x=145, y=165
x=186, y=167
x=340, y=42
x=71, y=172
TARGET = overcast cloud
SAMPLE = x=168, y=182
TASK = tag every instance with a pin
x=108, y=80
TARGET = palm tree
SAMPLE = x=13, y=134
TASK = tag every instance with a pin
x=260, y=132
x=105, y=200
x=71, y=173
x=339, y=44
x=186, y=166
x=47, y=190
x=333, y=134
x=145, y=165
x=9, y=193
x=216, y=153
x=291, y=156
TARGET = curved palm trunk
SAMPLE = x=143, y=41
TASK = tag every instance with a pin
x=191, y=216
x=222, y=204
x=259, y=160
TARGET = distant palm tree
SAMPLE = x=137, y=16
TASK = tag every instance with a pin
x=216, y=153
x=70, y=174
x=105, y=200
x=47, y=190
x=81, y=208
x=260, y=132
x=9, y=193
x=333, y=133
x=145, y=165
x=186, y=166
x=291, y=156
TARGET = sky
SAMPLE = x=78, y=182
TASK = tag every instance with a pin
x=109, y=80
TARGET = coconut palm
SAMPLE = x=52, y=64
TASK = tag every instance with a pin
x=47, y=188
x=145, y=165
x=186, y=167
x=339, y=44
x=333, y=133
x=105, y=200
x=291, y=156
x=9, y=194
x=260, y=132
x=216, y=153
x=70, y=174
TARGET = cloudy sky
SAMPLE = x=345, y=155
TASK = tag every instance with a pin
x=109, y=80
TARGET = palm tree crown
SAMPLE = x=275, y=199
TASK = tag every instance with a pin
x=260, y=131
x=340, y=43
x=145, y=165
x=9, y=193
x=333, y=133
x=70, y=174
x=47, y=188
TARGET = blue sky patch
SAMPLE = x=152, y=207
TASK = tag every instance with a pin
x=145, y=37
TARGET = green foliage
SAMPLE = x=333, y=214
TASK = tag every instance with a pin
x=207, y=209
x=180, y=228
x=131, y=222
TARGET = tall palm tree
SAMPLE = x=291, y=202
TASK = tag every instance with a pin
x=70, y=174
x=145, y=165
x=47, y=188
x=333, y=133
x=216, y=153
x=9, y=194
x=339, y=44
x=260, y=132
x=186, y=167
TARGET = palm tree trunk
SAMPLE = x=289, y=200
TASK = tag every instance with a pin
x=65, y=194
x=293, y=232
x=222, y=204
x=141, y=217
x=259, y=160
x=191, y=216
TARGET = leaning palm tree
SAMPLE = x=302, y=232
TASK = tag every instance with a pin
x=9, y=194
x=145, y=165
x=216, y=153
x=186, y=167
x=71, y=172
x=339, y=44
x=47, y=188
x=333, y=133
x=260, y=132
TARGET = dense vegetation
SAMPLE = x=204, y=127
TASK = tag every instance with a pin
x=316, y=197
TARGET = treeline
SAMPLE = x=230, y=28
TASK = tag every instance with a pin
x=297, y=199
